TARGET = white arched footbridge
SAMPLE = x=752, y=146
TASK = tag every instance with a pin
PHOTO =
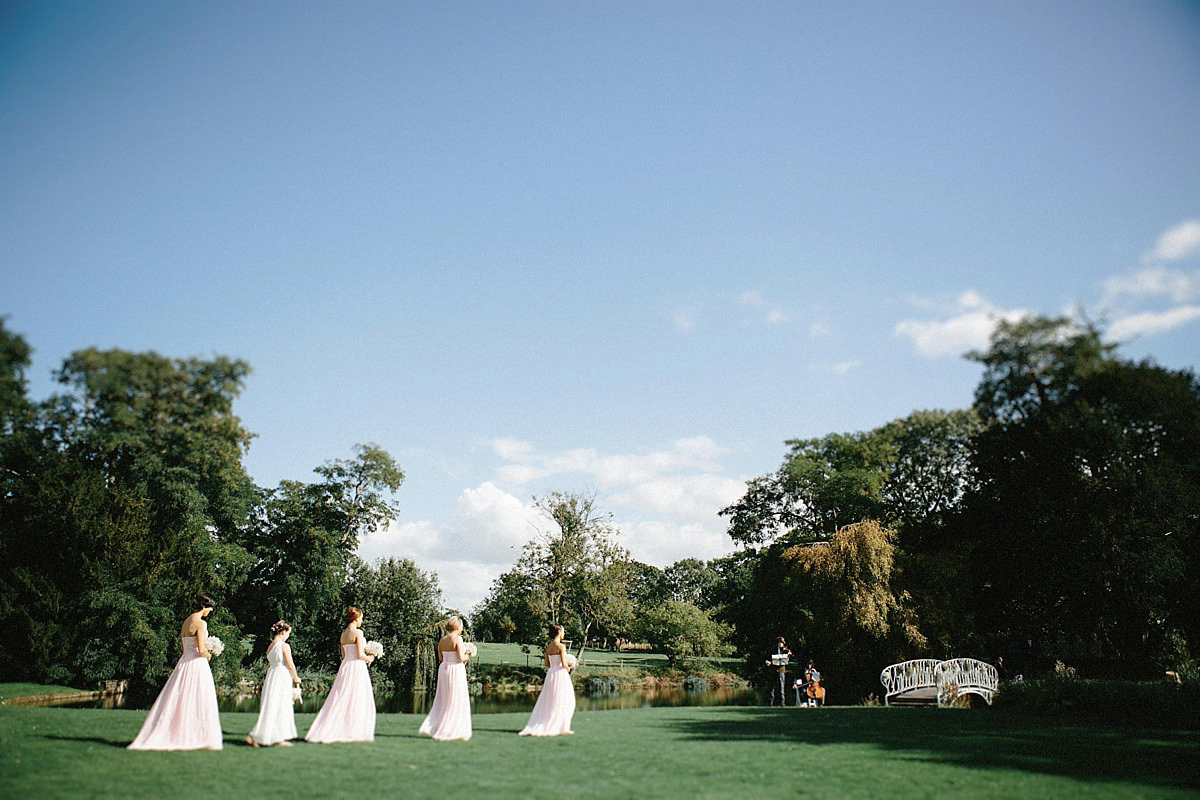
x=927, y=679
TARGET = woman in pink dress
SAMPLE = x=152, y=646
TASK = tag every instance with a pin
x=450, y=717
x=555, y=706
x=348, y=714
x=184, y=715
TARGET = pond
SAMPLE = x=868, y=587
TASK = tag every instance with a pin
x=419, y=702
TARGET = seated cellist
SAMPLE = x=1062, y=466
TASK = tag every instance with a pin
x=812, y=682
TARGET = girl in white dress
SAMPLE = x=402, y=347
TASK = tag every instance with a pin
x=450, y=716
x=555, y=706
x=348, y=714
x=184, y=715
x=276, y=719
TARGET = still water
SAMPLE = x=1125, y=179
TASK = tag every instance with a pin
x=419, y=702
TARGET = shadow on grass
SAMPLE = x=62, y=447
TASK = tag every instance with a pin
x=978, y=738
x=89, y=739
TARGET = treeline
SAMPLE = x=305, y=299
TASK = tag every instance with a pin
x=1056, y=519
x=124, y=494
x=575, y=573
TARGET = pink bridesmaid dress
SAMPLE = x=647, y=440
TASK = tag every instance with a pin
x=555, y=706
x=450, y=717
x=184, y=715
x=348, y=714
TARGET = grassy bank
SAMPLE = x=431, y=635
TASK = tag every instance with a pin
x=646, y=753
x=503, y=663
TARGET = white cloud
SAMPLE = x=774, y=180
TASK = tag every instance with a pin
x=662, y=543
x=511, y=449
x=819, y=330
x=771, y=313
x=841, y=367
x=684, y=319
x=690, y=497
x=665, y=501
x=1151, y=322
x=970, y=326
x=1176, y=244
x=1152, y=282
x=415, y=540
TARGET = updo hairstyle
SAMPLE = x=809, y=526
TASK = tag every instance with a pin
x=203, y=601
x=352, y=614
x=279, y=627
x=555, y=630
x=454, y=624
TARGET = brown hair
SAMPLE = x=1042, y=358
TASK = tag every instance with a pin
x=352, y=614
x=279, y=627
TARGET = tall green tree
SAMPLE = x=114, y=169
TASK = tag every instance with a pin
x=399, y=603
x=119, y=505
x=578, y=569
x=303, y=541
x=1083, y=528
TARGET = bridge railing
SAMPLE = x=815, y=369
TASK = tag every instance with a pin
x=920, y=673
x=949, y=678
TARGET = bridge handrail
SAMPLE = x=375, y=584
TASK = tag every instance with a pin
x=950, y=677
x=908, y=675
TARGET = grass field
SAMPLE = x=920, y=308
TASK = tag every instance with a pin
x=492, y=653
x=642, y=753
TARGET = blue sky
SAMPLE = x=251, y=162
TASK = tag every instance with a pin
x=618, y=247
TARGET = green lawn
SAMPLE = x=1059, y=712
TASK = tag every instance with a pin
x=11, y=690
x=643, y=753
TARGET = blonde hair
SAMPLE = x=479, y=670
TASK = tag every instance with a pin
x=454, y=624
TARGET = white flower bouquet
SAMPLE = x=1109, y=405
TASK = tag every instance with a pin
x=295, y=694
x=570, y=661
x=214, y=645
x=373, y=649
x=470, y=649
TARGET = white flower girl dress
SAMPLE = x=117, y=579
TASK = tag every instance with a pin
x=276, y=719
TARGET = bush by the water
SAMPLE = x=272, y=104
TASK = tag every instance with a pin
x=695, y=683
x=1155, y=702
x=602, y=686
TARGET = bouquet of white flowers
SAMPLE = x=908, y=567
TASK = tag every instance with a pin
x=373, y=649
x=470, y=649
x=214, y=645
x=570, y=661
x=295, y=694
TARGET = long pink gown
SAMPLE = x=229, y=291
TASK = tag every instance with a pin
x=450, y=716
x=555, y=706
x=348, y=714
x=184, y=715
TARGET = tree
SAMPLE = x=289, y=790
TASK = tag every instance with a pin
x=399, y=603
x=1083, y=528
x=682, y=630
x=303, y=541
x=14, y=360
x=510, y=612
x=909, y=472
x=578, y=568
x=119, y=500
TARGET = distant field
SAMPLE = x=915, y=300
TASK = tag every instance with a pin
x=503, y=653
x=11, y=690
x=726, y=752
